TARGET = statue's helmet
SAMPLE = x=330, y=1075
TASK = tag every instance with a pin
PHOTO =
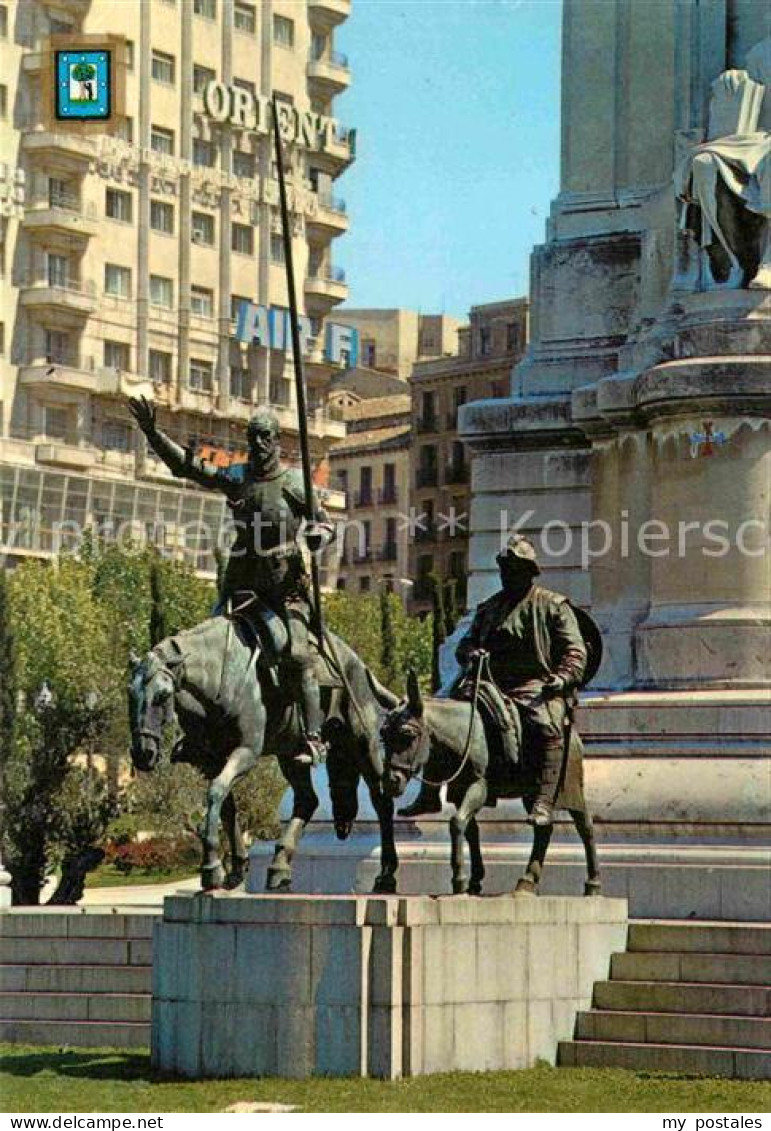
x=517, y=546
x=263, y=418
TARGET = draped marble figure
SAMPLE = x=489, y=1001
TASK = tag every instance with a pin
x=725, y=182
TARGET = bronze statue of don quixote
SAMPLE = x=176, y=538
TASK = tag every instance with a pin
x=263, y=676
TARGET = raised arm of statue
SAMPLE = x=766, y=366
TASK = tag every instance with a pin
x=182, y=462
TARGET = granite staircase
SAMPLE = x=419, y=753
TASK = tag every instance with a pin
x=74, y=978
x=689, y=997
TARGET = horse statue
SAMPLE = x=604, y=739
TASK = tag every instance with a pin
x=232, y=710
x=445, y=741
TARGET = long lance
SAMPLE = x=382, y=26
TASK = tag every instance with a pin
x=299, y=376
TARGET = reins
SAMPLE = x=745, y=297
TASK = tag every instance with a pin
x=482, y=663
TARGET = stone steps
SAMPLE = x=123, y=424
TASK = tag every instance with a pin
x=77, y=979
x=685, y=997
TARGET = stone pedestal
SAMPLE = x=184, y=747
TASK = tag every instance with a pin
x=378, y=986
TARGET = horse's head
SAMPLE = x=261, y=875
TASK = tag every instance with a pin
x=405, y=740
x=151, y=708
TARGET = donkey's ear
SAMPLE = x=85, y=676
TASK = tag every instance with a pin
x=414, y=698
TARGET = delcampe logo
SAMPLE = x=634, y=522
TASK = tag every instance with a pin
x=83, y=85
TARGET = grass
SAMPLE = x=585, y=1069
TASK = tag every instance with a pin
x=108, y=876
x=101, y=1080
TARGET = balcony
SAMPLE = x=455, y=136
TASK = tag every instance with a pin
x=427, y=424
x=457, y=473
x=388, y=495
x=363, y=499
x=389, y=552
x=73, y=298
x=330, y=218
x=325, y=289
x=329, y=74
x=58, y=453
x=76, y=377
x=426, y=477
x=340, y=150
x=60, y=214
x=328, y=13
x=62, y=150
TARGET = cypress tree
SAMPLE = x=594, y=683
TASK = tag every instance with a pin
x=438, y=629
x=388, y=650
x=157, y=610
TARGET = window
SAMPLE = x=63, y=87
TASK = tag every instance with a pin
x=117, y=280
x=277, y=247
x=125, y=129
x=55, y=421
x=245, y=84
x=235, y=305
x=3, y=100
x=512, y=336
x=200, y=375
x=365, y=584
x=202, y=225
x=162, y=140
x=118, y=205
x=204, y=153
x=485, y=341
x=160, y=367
x=242, y=239
x=3, y=21
x=340, y=584
x=243, y=164
x=162, y=67
x=318, y=46
x=283, y=31
x=459, y=397
x=202, y=301
x=2, y=338
x=130, y=54
x=202, y=76
x=117, y=355
x=240, y=383
x=161, y=291
x=370, y=354
x=58, y=270
x=117, y=436
x=206, y=8
x=162, y=217
x=58, y=347
x=244, y=17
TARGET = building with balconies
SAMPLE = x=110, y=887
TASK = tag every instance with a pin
x=126, y=254
x=371, y=465
x=488, y=348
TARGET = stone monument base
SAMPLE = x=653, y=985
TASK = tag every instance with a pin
x=373, y=986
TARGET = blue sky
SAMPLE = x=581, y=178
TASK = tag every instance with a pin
x=457, y=107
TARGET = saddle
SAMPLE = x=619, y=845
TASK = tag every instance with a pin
x=500, y=718
x=266, y=630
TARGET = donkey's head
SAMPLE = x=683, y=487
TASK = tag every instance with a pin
x=405, y=740
x=151, y=708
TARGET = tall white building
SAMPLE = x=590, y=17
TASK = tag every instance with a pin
x=125, y=258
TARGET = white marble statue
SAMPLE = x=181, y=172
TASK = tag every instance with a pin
x=725, y=182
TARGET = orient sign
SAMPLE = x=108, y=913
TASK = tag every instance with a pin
x=250, y=111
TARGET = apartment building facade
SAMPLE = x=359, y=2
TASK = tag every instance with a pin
x=391, y=341
x=440, y=491
x=371, y=467
x=127, y=255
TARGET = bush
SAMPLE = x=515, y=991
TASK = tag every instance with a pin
x=156, y=854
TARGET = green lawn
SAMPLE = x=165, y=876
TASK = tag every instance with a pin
x=108, y=876
x=45, y=1080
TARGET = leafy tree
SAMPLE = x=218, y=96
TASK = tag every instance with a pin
x=84, y=808
x=157, y=610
